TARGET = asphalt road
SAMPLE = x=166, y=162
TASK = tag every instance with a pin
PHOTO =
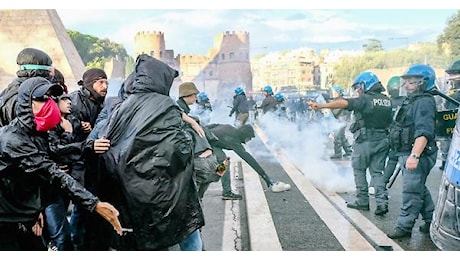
x=312, y=216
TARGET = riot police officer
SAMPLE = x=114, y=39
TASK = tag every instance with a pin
x=372, y=111
x=240, y=107
x=204, y=108
x=340, y=140
x=269, y=103
x=280, y=106
x=393, y=89
x=444, y=231
x=412, y=135
x=453, y=80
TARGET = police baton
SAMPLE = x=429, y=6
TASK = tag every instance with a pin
x=436, y=91
x=393, y=177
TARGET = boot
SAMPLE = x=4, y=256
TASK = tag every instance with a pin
x=425, y=228
x=348, y=151
x=346, y=147
x=337, y=151
x=443, y=165
x=336, y=156
x=399, y=233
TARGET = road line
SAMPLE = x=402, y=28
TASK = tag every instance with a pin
x=347, y=235
x=262, y=231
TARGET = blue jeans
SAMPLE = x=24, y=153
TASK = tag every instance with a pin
x=77, y=227
x=193, y=242
x=57, y=224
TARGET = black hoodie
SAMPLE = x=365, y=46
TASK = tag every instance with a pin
x=26, y=171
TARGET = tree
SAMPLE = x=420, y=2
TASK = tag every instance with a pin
x=449, y=41
x=373, y=45
x=95, y=52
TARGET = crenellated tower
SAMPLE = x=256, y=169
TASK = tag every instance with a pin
x=233, y=58
x=151, y=43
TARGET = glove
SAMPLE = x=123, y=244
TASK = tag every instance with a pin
x=230, y=115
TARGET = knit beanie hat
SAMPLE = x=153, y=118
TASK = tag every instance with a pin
x=187, y=89
x=90, y=76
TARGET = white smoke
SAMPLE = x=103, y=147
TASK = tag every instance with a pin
x=309, y=149
x=307, y=145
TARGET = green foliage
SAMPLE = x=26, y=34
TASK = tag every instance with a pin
x=348, y=67
x=373, y=45
x=95, y=52
x=449, y=41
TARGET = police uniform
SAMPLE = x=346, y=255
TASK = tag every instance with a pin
x=392, y=161
x=370, y=148
x=416, y=118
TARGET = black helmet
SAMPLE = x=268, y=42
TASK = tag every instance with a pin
x=33, y=56
x=454, y=68
x=34, y=62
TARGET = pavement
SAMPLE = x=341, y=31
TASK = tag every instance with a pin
x=305, y=218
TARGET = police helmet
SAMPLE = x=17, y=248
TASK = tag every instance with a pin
x=453, y=78
x=279, y=97
x=239, y=91
x=203, y=96
x=393, y=86
x=365, y=81
x=425, y=73
x=269, y=90
x=338, y=89
x=454, y=68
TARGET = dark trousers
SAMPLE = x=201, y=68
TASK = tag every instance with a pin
x=19, y=237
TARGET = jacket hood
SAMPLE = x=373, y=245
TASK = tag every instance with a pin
x=245, y=132
x=24, y=110
x=126, y=87
x=153, y=75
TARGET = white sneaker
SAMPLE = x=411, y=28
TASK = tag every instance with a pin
x=280, y=187
x=371, y=190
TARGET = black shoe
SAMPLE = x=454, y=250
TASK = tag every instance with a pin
x=355, y=205
x=347, y=154
x=336, y=156
x=399, y=233
x=443, y=165
x=381, y=210
x=425, y=228
x=231, y=196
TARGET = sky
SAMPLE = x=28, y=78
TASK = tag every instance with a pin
x=191, y=31
x=190, y=28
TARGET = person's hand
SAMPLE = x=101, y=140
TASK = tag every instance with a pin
x=110, y=213
x=411, y=163
x=101, y=145
x=64, y=167
x=37, y=228
x=314, y=105
x=230, y=115
x=86, y=126
x=198, y=129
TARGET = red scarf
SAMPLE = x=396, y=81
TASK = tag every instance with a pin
x=48, y=116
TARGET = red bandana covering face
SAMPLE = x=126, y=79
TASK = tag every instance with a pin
x=48, y=117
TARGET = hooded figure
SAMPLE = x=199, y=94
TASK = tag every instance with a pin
x=32, y=63
x=151, y=157
x=27, y=172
